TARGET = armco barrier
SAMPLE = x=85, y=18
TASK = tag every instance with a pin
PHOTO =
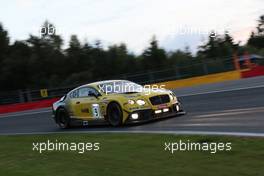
x=255, y=71
x=212, y=78
x=27, y=106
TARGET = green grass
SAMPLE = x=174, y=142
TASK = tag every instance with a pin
x=130, y=154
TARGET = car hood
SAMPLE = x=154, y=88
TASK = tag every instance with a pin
x=146, y=93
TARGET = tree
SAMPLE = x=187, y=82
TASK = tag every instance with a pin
x=42, y=62
x=260, y=27
x=46, y=59
x=180, y=58
x=154, y=57
x=15, y=69
x=218, y=47
x=4, y=42
x=211, y=48
x=4, y=48
x=74, y=44
x=256, y=40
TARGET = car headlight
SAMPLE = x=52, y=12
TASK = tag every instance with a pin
x=141, y=102
x=131, y=102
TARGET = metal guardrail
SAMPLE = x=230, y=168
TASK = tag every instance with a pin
x=146, y=77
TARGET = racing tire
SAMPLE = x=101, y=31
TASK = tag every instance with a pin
x=182, y=109
x=114, y=114
x=63, y=119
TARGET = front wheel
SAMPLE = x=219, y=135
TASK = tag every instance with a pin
x=63, y=119
x=182, y=109
x=114, y=114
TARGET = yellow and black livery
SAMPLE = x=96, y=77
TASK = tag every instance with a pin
x=98, y=103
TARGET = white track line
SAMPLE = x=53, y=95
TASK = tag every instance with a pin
x=211, y=133
x=230, y=113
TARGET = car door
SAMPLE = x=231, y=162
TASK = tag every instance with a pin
x=74, y=107
x=87, y=105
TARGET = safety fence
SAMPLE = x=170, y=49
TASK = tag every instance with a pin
x=147, y=77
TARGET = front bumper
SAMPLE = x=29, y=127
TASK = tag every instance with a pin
x=150, y=114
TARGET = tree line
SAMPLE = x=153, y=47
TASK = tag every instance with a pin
x=41, y=61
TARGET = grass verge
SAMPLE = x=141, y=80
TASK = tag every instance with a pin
x=130, y=154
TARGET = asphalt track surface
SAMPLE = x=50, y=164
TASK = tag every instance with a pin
x=235, y=108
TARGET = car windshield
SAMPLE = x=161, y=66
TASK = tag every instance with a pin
x=120, y=87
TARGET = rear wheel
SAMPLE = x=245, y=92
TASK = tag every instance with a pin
x=63, y=119
x=114, y=114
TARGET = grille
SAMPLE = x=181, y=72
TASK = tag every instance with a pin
x=160, y=99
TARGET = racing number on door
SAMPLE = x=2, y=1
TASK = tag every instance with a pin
x=96, y=110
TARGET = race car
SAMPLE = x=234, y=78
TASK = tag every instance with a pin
x=114, y=102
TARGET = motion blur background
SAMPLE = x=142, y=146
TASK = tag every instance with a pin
x=142, y=41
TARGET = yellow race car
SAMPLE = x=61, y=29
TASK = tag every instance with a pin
x=115, y=102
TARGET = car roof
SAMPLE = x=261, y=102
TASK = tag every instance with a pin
x=104, y=82
x=94, y=84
